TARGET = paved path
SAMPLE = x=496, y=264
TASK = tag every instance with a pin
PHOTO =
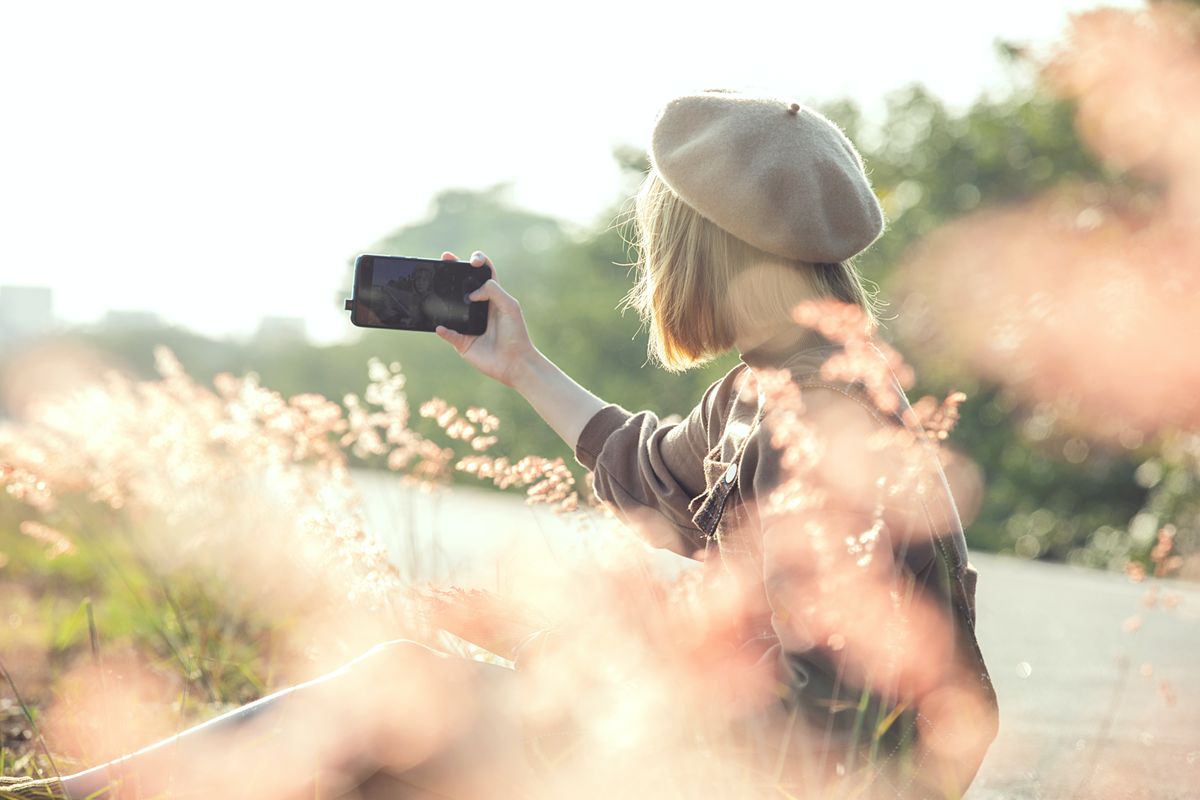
x=1086, y=704
x=1099, y=694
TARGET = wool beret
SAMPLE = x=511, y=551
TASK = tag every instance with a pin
x=773, y=172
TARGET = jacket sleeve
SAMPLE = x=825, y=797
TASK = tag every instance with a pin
x=641, y=464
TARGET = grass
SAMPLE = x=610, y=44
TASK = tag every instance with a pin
x=170, y=552
x=165, y=545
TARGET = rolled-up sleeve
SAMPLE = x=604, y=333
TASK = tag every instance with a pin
x=640, y=463
x=596, y=432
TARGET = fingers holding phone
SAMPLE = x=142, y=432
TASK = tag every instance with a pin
x=479, y=259
x=505, y=344
x=460, y=301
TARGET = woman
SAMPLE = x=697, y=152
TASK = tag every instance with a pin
x=754, y=206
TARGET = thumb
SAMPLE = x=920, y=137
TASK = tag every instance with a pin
x=460, y=341
x=494, y=292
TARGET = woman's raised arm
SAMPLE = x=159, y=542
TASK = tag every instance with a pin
x=506, y=353
x=645, y=465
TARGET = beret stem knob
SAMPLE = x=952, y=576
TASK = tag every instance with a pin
x=794, y=108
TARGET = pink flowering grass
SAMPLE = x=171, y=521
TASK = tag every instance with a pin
x=209, y=546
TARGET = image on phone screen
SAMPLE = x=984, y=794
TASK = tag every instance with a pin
x=417, y=294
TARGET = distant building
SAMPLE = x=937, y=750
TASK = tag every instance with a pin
x=130, y=320
x=26, y=312
x=281, y=330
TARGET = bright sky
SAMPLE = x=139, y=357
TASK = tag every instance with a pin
x=218, y=161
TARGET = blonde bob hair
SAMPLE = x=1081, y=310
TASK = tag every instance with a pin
x=700, y=289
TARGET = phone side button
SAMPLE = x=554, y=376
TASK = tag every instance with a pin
x=349, y=304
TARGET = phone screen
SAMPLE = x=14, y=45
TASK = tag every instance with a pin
x=417, y=294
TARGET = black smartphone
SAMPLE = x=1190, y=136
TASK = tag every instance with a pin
x=417, y=294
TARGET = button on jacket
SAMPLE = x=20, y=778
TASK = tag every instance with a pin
x=706, y=476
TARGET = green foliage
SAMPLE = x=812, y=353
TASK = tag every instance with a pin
x=929, y=166
x=181, y=616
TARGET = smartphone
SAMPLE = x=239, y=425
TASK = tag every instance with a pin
x=417, y=294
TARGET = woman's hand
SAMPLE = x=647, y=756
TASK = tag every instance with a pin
x=504, y=352
x=505, y=346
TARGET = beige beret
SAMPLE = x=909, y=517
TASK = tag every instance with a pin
x=773, y=172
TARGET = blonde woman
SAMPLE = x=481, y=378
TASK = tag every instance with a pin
x=755, y=206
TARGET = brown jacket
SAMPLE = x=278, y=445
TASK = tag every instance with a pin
x=707, y=474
